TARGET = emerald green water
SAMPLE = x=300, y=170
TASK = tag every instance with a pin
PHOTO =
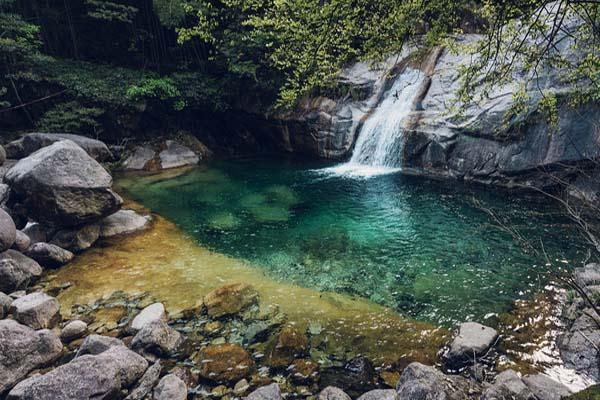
x=421, y=247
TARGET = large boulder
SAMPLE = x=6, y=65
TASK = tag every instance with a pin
x=101, y=376
x=62, y=185
x=36, y=310
x=154, y=312
x=8, y=231
x=170, y=387
x=17, y=271
x=508, y=386
x=176, y=155
x=574, y=346
x=225, y=363
x=472, y=341
x=157, y=338
x=123, y=222
x=421, y=382
x=230, y=299
x=77, y=239
x=140, y=159
x=32, y=142
x=49, y=255
x=22, y=350
x=546, y=388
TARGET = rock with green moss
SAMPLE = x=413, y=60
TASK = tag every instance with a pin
x=591, y=393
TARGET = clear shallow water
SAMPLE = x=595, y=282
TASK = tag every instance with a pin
x=418, y=246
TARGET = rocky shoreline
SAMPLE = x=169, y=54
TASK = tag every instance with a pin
x=57, y=201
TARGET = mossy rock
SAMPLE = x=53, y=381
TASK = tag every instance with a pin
x=591, y=393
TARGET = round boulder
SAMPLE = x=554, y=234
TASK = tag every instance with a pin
x=17, y=271
x=8, y=231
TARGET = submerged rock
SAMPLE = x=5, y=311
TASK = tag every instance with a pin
x=78, y=239
x=123, y=222
x=269, y=392
x=290, y=344
x=230, y=299
x=421, y=382
x=49, y=255
x=36, y=310
x=62, y=185
x=176, y=155
x=170, y=387
x=17, y=271
x=225, y=363
x=22, y=350
x=472, y=341
x=8, y=231
x=99, y=376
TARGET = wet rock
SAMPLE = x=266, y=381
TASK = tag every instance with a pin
x=170, y=387
x=36, y=310
x=588, y=275
x=421, y=382
x=574, y=347
x=225, y=363
x=5, y=302
x=545, y=388
x=123, y=222
x=154, y=312
x=177, y=155
x=230, y=299
x=63, y=186
x=22, y=350
x=101, y=376
x=17, y=271
x=73, y=330
x=157, y=338
x=269, y=392
x=32, y=142
x=260, y=330
x=22, y=242
x=146, y=383
x=473, y=340
x=8, y=231
x=304, y=371
x=36, y=232
x=78, y=239
x=96, y=344
x=49, y=255
x=508, y=386
x=380, y=394
x=333, y=393
x=139, y=159
x=290, y=344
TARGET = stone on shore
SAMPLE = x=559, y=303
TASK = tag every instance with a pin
x=36, y=310
x=545, y=388
x=32, y=142
x=78, y=239
x=8, y=231
x=17, y=271
x=380, y=394
x=63, y=186
x=176, y=155
x=22, y=242
x=472, y=340
x=421, y=382
x=230, y=299
x=96, y=344
x=333, y=393
x=73, y=330
x=139, y=159
x=49, y=255
x=101, y=376
x=225, y=363
x=123, y=222
x=508, y=385
x=170, y=387
x=158, y=339
x=22, y=350
x=269, y=392
x=146, y=383
x=154, y=312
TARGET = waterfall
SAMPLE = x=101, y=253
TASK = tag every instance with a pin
x=378, y=148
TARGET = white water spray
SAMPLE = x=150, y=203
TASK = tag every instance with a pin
x=378, y=149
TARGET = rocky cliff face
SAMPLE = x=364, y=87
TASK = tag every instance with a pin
x=481, y=141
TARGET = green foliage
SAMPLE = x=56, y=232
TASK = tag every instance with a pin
x=159, y=89
x=110, y=11
x=591, y=393
x=170, y=12
x=72, y=117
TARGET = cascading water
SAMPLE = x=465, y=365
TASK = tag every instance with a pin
x=378, y=148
